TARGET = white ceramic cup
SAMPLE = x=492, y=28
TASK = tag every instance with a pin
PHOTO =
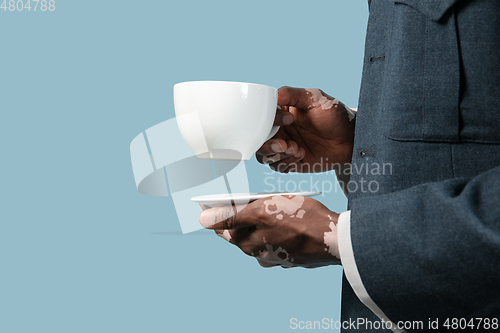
x=236, y=118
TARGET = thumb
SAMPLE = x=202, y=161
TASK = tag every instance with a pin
x=296, y=97
x=225, y=217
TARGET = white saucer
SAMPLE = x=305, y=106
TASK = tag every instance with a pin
x=242, y=198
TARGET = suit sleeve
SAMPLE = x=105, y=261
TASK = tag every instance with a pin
x=431, y=251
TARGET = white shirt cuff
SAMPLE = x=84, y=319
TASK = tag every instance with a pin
x=351, y=270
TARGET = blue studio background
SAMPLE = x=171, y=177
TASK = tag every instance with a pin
x=80, y=249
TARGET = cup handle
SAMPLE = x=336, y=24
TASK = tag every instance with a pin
x=274, y=130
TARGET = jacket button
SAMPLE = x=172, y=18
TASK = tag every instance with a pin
x=362, y=153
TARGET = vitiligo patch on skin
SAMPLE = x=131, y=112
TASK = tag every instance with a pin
x=271, y=256
x=351, y=113
x=280, y=205
x=321, y=101
x=331, y=240
x=224, y=234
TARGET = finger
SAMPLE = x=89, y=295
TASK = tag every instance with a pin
x=266, y=264
x=297, y=97
x=272, y=147
x=263, y=159
x=241, y=238
x=291, y=149
x=289, y=162
x=277, y=147
x=227, y=217
x=283, y=117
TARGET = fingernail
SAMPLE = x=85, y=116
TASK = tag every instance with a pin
x=207, y=218
x=287, y=119
x=290, y=151
x=276, y=146
x=298, y=155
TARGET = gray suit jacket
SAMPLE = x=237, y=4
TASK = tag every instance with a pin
x=425, y=191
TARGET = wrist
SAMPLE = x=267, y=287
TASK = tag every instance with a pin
x=330, y=237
